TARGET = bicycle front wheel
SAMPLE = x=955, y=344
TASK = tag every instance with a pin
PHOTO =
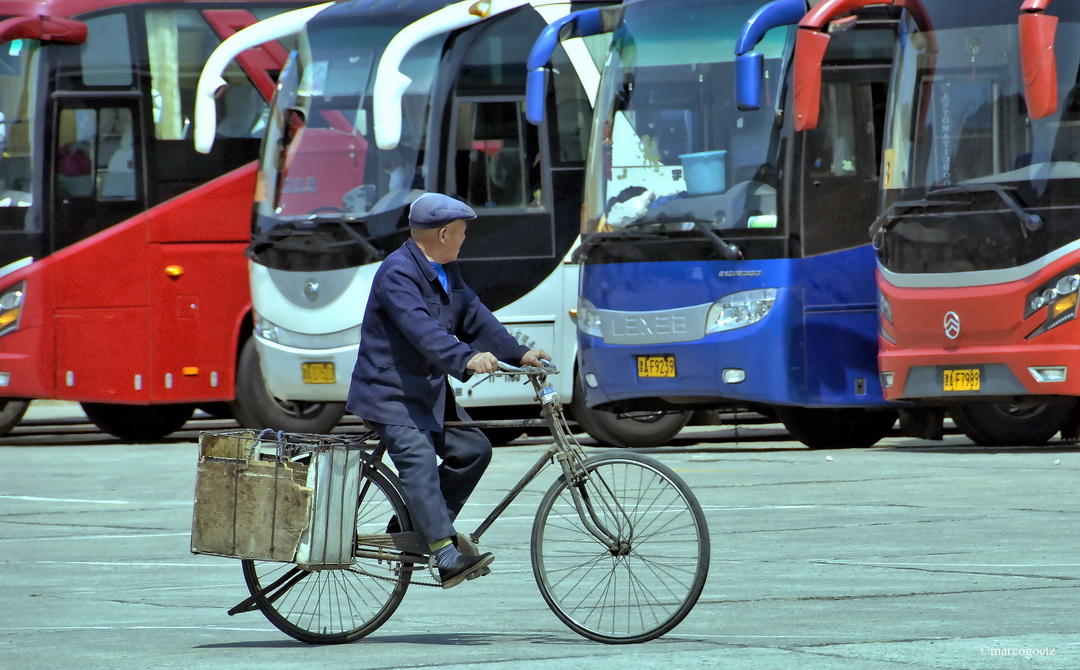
x=645, y=575
x=335, y=606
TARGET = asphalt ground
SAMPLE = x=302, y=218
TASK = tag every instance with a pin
x=911, y=554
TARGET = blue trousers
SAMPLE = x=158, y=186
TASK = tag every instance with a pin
x=436, y=491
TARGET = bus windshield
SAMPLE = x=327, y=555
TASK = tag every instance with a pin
x=324, y=185
x=673, y=153
x=971, y=181
x=959, y=116
x=20, y=232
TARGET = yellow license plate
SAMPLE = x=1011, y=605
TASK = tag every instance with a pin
x=318, y=373
x=962, y=380
x=655, y=366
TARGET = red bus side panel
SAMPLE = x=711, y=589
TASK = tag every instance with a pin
x=195, y=320
x=104, y=270
x=219, y=211
x=101, y=354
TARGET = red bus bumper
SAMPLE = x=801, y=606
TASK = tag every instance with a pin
x=980, y=343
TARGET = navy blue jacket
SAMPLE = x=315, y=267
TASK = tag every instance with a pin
x=413, y=336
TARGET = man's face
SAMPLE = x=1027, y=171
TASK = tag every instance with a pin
x=454, y=237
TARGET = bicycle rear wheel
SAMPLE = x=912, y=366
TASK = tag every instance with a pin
x=649, y=578
x=335, y=606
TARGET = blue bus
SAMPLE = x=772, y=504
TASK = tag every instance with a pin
x=725, y=260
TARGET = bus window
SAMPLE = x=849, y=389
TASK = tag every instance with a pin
x=18, y=64
x=105, y=60
x=839, y=162
x=95, y=156
x=494, y=161
x=179, y=41
x=115, y=165
x=491, y=154
x=173, y=36
x=96, y=178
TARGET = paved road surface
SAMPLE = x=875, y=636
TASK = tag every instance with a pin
x=908, y=555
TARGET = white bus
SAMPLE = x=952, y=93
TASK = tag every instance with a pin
x=378, y=104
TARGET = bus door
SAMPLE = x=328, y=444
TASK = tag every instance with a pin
x=497, y=170
x=99, y=292
x=838, y=180
x=98, y=177
x=495, y=162
x=839, y=161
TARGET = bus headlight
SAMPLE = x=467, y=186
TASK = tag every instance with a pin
x=885, y=312
x=1058, y=297
x=884, y=308
x=270, y=331
x=738, y=310
x=588, y=318
x=11, y=302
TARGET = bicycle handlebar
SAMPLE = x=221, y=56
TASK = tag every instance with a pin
x=548, y=369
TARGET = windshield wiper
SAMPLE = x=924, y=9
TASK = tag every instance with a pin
x=593, y=240
x=728, y=251
x=882, y=224
x=1029, y=223
x=278, y=238
x=373, y=252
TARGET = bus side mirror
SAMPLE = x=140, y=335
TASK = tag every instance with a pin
x=584, y=23
x=1038, y=64
x=749, y=76
x=536, y=86
x=67, y=31
x=749, y=64
x=810, y=48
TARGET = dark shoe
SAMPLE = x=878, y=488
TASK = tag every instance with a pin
x=393, y=525
x=464, y=567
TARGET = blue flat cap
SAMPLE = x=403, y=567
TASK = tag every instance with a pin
x=435, y=210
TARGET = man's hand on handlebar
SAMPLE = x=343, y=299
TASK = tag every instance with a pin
x=533, y=357
x=483, y=362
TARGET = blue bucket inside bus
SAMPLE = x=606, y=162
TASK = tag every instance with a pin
x=705, y=173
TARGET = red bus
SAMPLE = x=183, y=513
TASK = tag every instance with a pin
x=123, y=281
x=978, y=239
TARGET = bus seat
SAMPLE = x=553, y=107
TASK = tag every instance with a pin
x=119, y=178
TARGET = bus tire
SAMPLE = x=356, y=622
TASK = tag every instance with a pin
x=138, y=423
x=255, y=407
x=1005, y=425
x=625, y=432
x=11, y=413
x=828, y=428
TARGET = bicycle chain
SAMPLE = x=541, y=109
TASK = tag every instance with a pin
x=394, y=579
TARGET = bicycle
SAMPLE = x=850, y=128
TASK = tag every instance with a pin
x=619, y=546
